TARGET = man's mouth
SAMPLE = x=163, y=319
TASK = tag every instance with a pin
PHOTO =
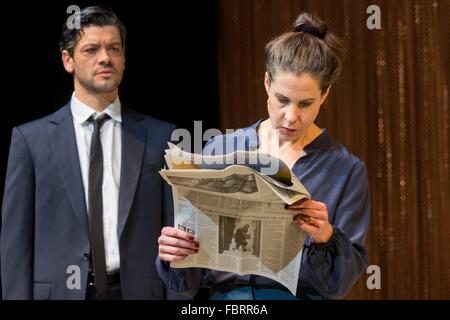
x=105, y=71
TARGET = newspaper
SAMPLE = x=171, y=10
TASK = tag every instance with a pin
x=237, y=214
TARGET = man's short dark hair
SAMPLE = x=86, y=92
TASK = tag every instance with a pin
x=99, y=16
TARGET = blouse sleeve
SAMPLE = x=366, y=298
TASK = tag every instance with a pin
x=333, y=267
x=185, y=281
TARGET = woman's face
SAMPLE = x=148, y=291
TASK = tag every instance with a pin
x=293, y=103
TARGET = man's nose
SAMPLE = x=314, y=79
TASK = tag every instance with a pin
x=105, y=57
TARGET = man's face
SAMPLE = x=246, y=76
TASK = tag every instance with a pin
x=98, y=60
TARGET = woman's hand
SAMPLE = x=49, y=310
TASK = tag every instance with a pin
x=175, y=244
x=312, y=218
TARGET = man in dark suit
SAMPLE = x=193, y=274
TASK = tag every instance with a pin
x=83, y=202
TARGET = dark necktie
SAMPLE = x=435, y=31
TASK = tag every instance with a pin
x=96, y=206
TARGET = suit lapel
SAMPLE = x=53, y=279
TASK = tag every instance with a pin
x=64, y=145
x=133, y=147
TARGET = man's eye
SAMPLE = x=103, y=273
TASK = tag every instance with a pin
x=90, y=50
x=304, y=104
x=283, y=101
x=115, y=49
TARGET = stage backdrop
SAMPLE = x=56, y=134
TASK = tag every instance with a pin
x=390, y=108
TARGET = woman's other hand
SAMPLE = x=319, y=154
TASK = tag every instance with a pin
x=312, y=218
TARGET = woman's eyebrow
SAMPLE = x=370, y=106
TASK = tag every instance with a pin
x=279, y=95
x=308, y=100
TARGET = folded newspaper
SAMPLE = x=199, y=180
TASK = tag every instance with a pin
x=234, y=205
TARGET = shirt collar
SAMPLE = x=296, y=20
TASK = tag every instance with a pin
x=322, y=142
x=82, y=112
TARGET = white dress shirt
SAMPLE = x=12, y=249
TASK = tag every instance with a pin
x=110, y=136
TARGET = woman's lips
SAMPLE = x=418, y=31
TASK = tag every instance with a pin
x=287, y=131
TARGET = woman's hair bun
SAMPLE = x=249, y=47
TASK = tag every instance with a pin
x=308, y=23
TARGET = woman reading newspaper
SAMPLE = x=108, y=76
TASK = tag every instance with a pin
x=301, y=66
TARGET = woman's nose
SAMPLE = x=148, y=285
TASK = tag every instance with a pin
x=291, y=115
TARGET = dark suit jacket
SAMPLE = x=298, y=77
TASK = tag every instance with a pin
x=44, y=217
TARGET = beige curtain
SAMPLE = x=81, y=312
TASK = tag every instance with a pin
x=390, y=108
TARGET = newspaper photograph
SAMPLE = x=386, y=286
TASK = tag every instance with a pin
x=238, y=216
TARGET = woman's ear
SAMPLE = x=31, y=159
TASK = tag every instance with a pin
x=325, y=95
x=267, y=82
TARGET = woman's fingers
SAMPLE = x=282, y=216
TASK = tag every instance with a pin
x=320, y=231
x=312, y=213
x=308, y=204
x=177, y=233
x=176, y=245
x=177, y=242
x=170, y=258
x=176, y=251
x=308, y=228
x=312, y=210
x=301, y=219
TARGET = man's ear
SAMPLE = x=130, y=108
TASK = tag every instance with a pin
x=67, y=61
x=325, y=95
x=267, y=82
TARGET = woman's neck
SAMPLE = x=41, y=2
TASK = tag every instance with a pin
x=268, y=136
x=311, y=133
x=287, y=151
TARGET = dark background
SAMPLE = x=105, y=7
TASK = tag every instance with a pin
x=170, y=62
